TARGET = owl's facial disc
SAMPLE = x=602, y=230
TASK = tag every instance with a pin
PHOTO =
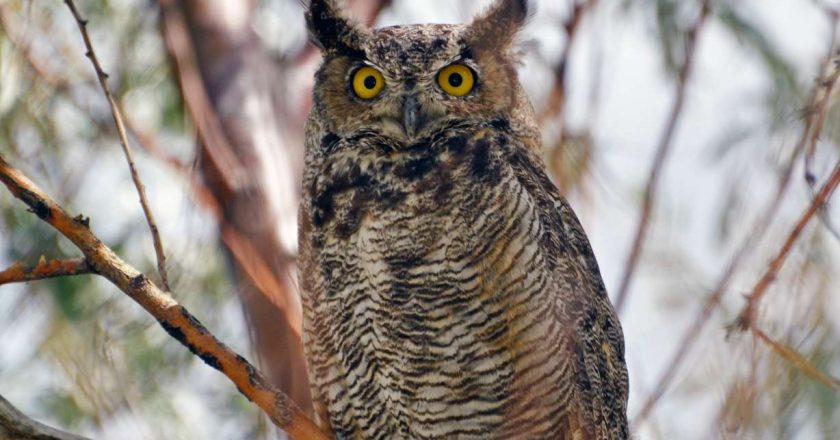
x=406, y=82
x=401, y=110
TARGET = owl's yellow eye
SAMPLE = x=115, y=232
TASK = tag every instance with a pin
x=368, y=82
x=456, y=80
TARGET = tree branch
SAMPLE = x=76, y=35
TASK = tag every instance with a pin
x=756, y=232
x=662, y=151
x=174, y=318
x=746, y=319
x=129, y=156
x=18, y=426
x=19, y=273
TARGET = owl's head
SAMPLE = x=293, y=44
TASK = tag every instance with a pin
x=406, y=82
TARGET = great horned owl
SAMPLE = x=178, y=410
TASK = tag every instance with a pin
x=449, y=291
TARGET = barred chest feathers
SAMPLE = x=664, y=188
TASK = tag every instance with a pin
x=448, y=290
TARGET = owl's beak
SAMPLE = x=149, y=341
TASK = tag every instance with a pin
x=412, y=118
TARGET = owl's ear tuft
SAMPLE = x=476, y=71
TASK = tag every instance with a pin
x=331, y=31
x=498, y=26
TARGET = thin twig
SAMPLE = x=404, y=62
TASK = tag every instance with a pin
x=755, y=233
x=174, y=318
x=659, y=159
x=19, y=273
x=242, y=248
x=746, y=319
x=118, y=120
x=18, y=426
x=797, y=360
x=62, y=86
x=556, y=103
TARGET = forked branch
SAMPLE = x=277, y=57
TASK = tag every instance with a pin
x=746, y=319
x=756, y=233
x=174, y=318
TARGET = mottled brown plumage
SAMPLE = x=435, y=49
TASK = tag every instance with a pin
x=449, y=291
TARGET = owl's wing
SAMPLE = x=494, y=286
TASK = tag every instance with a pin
x=595, y=343
x=598, y=357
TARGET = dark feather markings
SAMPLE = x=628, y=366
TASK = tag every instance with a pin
x=415, y=168
x=329, y=142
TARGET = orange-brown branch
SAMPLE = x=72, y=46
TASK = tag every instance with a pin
x=746, y=319
x=242, y=247
x=756, y=232
x=174, y=318
x=20, y=273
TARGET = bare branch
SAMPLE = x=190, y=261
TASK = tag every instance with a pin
x=746, y=319
x=242, y=247
x=118, y=120
x=19, y=273
x=174, y=318
x=659, y=159
x=16, y=425
x=798, y=360
x=756, y=232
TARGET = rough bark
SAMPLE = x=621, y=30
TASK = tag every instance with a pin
x=176, y=320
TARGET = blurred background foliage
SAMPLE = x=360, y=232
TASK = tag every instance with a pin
x=76, y=354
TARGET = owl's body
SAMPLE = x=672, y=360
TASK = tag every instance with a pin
x=449, y=290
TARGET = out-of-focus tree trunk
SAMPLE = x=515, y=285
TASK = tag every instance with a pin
x=260, y=208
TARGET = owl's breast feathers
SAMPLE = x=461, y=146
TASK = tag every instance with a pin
x=450, y=292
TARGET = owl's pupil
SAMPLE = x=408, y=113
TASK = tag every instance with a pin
x=370, y=82
x=455, y=80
